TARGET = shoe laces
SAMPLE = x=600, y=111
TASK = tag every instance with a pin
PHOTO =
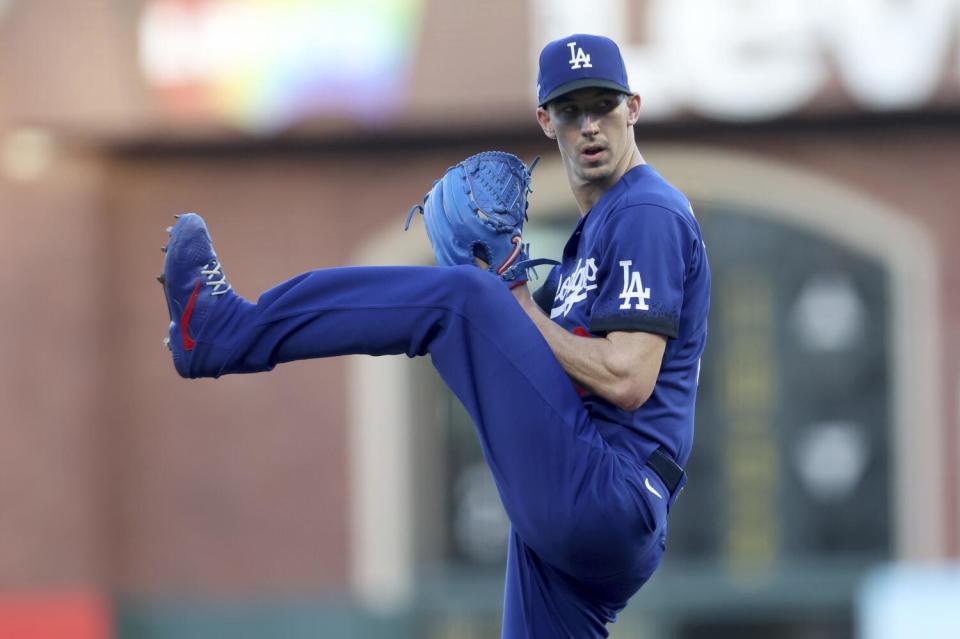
x=212, y=270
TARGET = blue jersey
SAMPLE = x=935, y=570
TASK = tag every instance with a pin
x=636, y=262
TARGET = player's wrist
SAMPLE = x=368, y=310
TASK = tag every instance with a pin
x=521, y=291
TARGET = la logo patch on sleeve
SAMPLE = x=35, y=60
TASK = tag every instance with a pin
x=633, y=290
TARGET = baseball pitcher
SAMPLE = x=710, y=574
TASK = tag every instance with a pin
x=582, y=394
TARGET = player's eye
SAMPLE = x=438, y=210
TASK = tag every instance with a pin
x=603, y=106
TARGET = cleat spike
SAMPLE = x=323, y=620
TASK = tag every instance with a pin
x=161, y=279
x=163, y=249
x=169, y=229
x=166, y=342
x=176, y=217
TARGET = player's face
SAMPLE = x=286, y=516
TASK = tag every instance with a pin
x=594, y=129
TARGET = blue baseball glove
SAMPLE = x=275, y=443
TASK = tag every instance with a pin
x=477, y=210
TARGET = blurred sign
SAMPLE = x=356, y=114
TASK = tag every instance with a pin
x=748, y=60
x=262, y=65
x=910, y=601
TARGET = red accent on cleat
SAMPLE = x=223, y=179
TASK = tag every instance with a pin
x=188, y=343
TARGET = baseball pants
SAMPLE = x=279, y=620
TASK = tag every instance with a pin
x=577, y=506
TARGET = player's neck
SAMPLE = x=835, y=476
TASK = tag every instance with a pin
x=588, y=192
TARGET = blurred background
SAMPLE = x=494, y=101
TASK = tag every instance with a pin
x=819, y=142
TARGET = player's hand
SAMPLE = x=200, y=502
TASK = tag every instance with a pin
x=477, y=208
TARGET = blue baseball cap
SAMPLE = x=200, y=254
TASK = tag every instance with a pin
x=577, y=62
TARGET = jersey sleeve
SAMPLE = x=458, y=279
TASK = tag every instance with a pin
x=544, y=295
x=641, y=272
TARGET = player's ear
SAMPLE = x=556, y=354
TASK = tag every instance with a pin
x=633, y=108
x=543, y=117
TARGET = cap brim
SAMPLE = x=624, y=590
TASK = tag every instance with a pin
x=584, y=83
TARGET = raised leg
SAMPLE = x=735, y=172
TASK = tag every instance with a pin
x=575, y=501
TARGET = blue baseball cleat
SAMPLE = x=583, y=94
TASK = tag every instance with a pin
x=195, y=288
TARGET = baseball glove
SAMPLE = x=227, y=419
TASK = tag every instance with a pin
x=477, y=210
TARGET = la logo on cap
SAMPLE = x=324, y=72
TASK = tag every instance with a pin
x=578, y=58
x=580, y=61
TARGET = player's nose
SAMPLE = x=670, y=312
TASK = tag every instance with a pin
x=589, y=124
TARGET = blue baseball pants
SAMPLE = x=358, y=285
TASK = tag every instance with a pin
x=585, y=533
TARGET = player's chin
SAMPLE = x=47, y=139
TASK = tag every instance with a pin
x=594, y=172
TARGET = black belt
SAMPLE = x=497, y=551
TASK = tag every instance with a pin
x=667, y=469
